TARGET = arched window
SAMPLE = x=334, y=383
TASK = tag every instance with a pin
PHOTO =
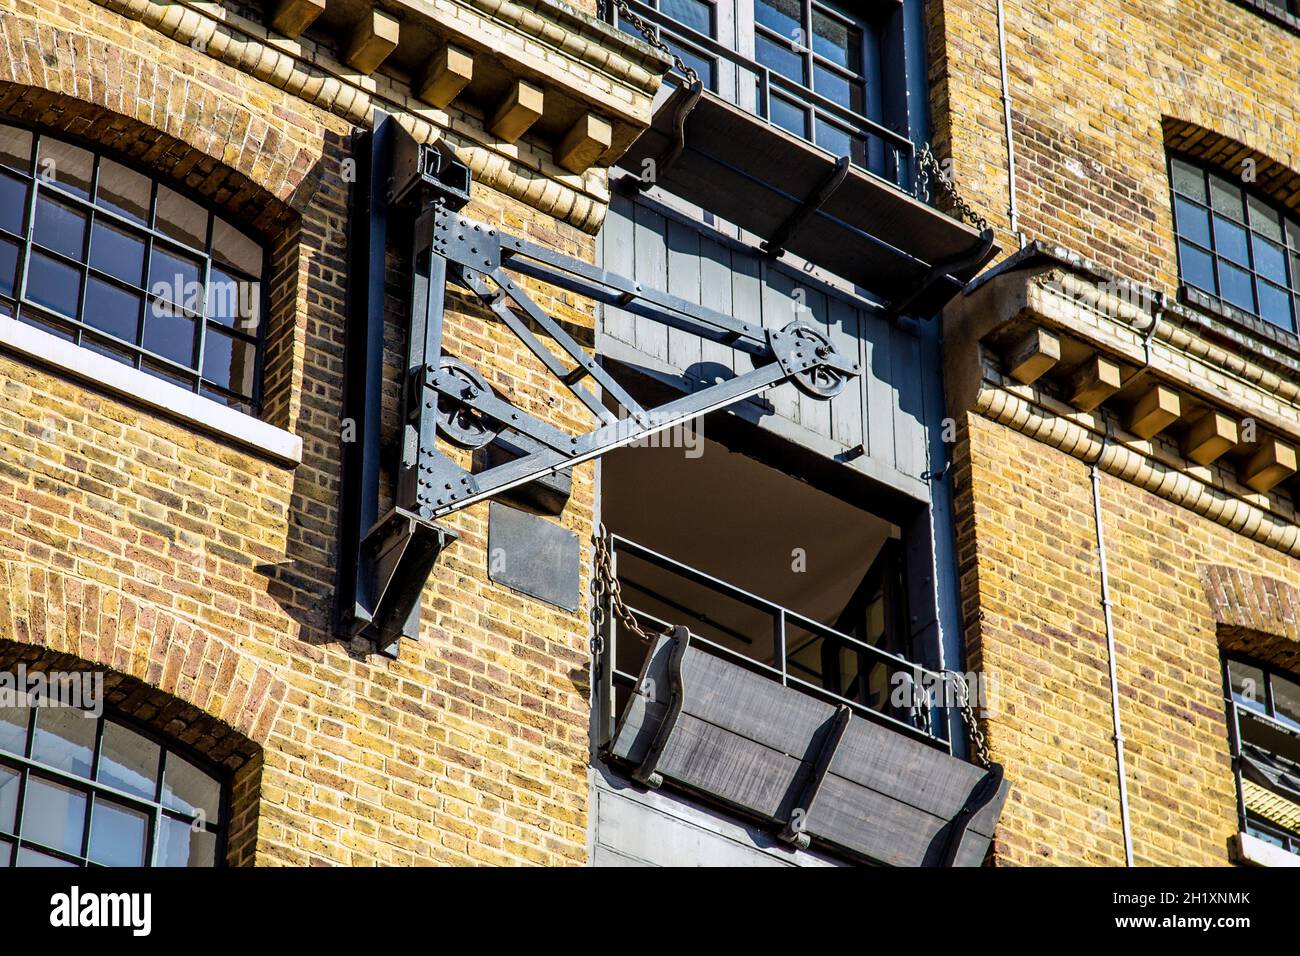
x=1236, y=247
x=96, y=252
x=80, y=790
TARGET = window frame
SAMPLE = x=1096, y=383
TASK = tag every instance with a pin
x=85, y=335
x=1194, y=294
x=91, y=788
x=736, y=32
x=1248, y=820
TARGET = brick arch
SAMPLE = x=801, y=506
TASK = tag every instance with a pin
x=1256, y=615
x=178, y=123
x=1273, y=177
x=211, y=687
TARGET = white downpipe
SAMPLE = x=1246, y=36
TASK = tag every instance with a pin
x=1095, y=474
x=1013, y=210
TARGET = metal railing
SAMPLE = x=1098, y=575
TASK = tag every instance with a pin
x=752, y=85
x=1247, y=820
x=926, y=722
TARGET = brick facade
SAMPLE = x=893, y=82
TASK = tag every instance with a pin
x=1099, y=91
x=201, y=576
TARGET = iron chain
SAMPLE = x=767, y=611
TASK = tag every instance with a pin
x=968, y=717
x=606, y=585
x=652, y=37
x=929, y=171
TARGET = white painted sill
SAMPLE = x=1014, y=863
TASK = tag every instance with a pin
x=139, y=388
x=1253, y=850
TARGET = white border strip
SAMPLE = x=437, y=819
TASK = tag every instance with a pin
x=140, y=388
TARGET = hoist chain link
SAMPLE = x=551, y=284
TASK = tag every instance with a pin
x=968, y=717
x=930, y=171
x=652, y=37
x=606, y=586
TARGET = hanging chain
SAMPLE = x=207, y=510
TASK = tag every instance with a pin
x=968, y=717
x=652, y=37
x=930, y=171
x=606, y=585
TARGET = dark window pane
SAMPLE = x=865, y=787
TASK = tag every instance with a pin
x=694, y=14
x=182, y=219
x=1226, y=197
x=1188, y=180
x=174, y=278
x=53, y=284
x=53, y=815
x=837, y=41
x=1270, y=261
x=1264, y=218
x=1247, y=685
x=104, y=346
x=1275, y=305
x=234, y=302
x=129, y=761
x=8, y=266
x=833, y=138
x=190, y=790
x=169, y=334
x=60, y=227
x=69, y=166
x=13, y=730
x=65, y=738
x=1230, y=240
x=33, y=858
x=157, y=370
x=1286, y=700
x=230, y=401
x=111, y=309
x=123, y=190
x=1235, y=286
x=9, y=781
x=180, y=844
x=789, y=117
x=1293, y=234
x=229, y=362
x=117, y=251
x=778, y=57
x=783, y=16
x=836, y=88
x=1193, y=222
x=118, y=834
x=234, y=248
x=13, y=204
x=47, y=322
x=1197, y=267
x=16, y=148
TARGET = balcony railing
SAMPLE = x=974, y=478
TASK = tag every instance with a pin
x=768, y=639
x=750, y=85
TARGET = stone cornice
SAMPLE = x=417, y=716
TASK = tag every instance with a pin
x=1152, y=392
x=526, y=170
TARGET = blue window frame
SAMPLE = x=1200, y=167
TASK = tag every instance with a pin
x=95, y=252
x=1238, y=248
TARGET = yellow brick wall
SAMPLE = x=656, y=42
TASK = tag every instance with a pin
x=205, y=574
x=1031, y=603
x=1090, y=84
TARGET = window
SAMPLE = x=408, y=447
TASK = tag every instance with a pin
x=99, y=254
x=1234, y=246
x=810, y=67
x=1264, y=708
x=76, y=790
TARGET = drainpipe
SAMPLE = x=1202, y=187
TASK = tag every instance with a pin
x=1013, y=211
x=1095, y=474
